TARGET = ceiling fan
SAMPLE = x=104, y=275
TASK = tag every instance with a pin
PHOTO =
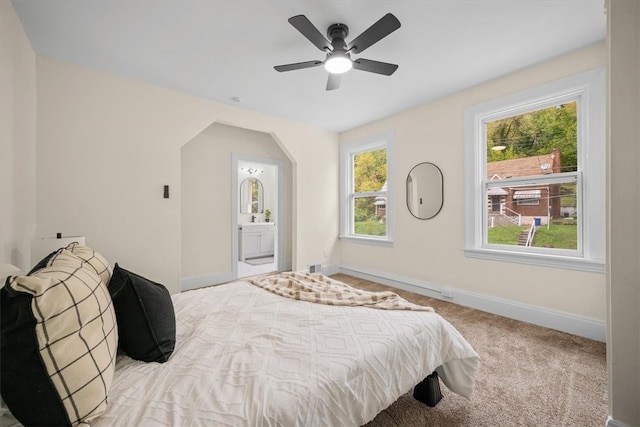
x=338, y=60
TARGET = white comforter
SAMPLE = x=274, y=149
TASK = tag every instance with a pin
x=246, y=357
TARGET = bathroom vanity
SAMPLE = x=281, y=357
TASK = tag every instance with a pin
x=256, y=240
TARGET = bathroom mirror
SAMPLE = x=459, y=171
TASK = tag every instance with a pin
x=425, y=192
x=251, y=196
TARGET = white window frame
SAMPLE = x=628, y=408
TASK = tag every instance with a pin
x=347, y=153
x=588, y=89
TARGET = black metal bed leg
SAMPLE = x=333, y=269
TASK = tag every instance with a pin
x=428, y=390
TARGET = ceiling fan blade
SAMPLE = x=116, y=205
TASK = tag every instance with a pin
x=334, y=81
x=307, y=29
x=297, y=66
x=374, y=66
x=381, y=29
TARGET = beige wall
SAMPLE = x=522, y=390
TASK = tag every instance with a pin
x=432, y=250
x=107, y=146
x=17, y=140
x=207, y=193
x=623, y=205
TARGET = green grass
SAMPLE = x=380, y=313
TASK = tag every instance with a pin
x=558, y=236
x=371, y=228
x=568, y=201
x=504, y=235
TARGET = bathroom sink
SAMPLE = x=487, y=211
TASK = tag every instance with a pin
x=246, y=224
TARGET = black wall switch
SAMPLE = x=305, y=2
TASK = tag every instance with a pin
x=166, y=191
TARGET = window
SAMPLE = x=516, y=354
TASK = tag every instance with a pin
x=365, y=194
x=535, y=163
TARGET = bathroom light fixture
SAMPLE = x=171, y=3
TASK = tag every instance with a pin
x=338, y=63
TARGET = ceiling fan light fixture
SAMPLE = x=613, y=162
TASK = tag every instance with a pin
x=338, y=64
x=338, y=51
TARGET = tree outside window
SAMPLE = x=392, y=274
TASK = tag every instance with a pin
x=537, y=145
x=370, y=176
x=535, y=173
x=365, y=206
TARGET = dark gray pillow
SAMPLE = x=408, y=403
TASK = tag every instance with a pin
x=43, y=262
x=145, y=316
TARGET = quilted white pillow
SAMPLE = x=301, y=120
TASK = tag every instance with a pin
x=59, y=343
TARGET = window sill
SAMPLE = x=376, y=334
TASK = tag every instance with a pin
x=541, y=260
x=367, y=240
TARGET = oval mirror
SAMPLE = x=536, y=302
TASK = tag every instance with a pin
x=425, y=192
x=251, y=196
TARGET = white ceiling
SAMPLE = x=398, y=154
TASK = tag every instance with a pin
x=222, y=50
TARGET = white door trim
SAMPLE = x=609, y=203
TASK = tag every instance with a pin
x=235, y=197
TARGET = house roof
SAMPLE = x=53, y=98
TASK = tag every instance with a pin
x=525, y=166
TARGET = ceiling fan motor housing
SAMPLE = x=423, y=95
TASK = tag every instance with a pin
x=337, y=33
x=338, y=52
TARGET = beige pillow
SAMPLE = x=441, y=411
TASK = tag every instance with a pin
x=94, y=259
x=65, y=314
x=7, y=270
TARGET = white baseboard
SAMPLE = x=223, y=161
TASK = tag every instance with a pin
x=330, y=269
x=190, y=283
x=566, y=322
x=613, y=423
x=327, y=269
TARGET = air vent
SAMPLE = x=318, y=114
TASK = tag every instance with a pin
x=315, y=268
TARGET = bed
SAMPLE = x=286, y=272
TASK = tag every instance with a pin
x=245, y=356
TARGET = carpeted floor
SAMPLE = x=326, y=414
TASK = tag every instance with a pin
x=528, y=376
